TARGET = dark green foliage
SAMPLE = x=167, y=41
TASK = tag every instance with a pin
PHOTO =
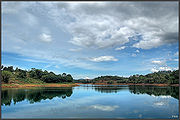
x=110, y=82
x=2, y=67
x=50, y=78
x=175, y=77
x=34, y=74
x=106, y=78
x=6, y=76
x=83, y=81
x=69, y=78
x=21, y=73
x=10, y=69
x=161, y=77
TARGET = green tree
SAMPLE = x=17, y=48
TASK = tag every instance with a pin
x=69, y=78
x=2, y=67
x=6, y=76
x=50, y=78
x=10, y=68
x=21, y=74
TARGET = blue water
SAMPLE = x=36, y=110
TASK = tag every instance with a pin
x=87, y=101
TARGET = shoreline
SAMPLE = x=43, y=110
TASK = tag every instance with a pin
x=132, y=84
x=37, y=85
x=72, y=85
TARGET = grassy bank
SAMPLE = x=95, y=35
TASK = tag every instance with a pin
x=39, y=85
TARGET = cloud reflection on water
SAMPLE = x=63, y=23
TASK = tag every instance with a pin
x=104, y=107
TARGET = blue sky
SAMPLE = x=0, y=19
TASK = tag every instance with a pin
x=90, y=39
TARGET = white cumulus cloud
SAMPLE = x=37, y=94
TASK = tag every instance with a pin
x=108, y=24
x=137, y=51
x=165, y=68
x=158, y=62
x=45, y=37
x=154, y=70
x=120, y=48
x=94, y=27
x=75, y=49
x=103, y=58
x=162, y=68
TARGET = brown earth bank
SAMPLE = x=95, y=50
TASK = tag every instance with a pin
x=38, y=85
x=132, y=84
x=70, y=85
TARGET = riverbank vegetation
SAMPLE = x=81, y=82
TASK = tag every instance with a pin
x=161, y=77
x=13, y=77
x=36, y=77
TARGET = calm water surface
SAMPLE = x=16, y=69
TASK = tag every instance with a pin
x=87, y=101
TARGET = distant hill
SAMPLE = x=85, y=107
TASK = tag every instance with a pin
x=83, y=80
x=161, y=77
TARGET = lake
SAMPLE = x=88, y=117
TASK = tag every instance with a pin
x=91, y=101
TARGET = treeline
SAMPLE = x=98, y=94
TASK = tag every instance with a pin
x=33, y=75
x=83, y=81
x=161, y=77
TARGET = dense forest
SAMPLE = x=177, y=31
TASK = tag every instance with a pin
x=11, y=75
x=161, y=77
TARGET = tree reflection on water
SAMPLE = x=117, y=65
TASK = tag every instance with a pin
x=9, y=96
x=155, y=90
x=33, y=95
x=139, y=89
